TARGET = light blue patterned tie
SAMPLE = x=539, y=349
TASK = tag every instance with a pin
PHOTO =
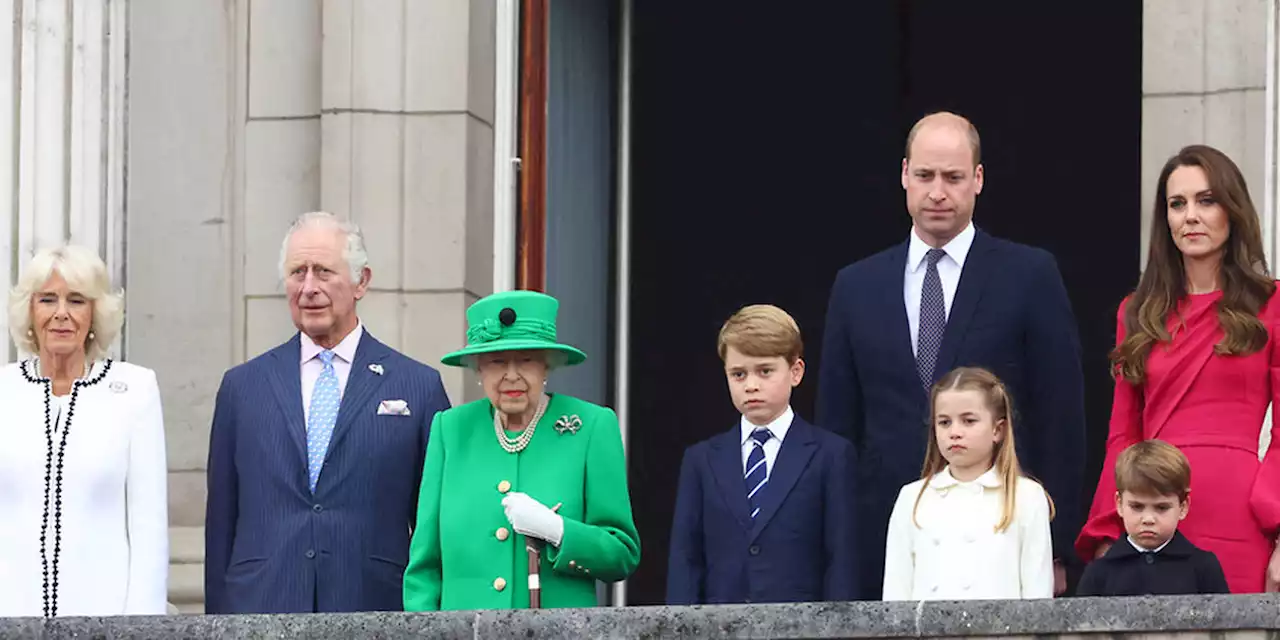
x=757, y=475
x=323, y=415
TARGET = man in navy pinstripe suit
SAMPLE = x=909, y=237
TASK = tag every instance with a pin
x=316, y=450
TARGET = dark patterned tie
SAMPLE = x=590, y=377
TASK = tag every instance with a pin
x=757, y=475
x=933, y=319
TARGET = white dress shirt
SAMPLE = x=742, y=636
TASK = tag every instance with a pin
x=312, y=367
x=113, y=552
x=1140, y=549
x=956, y=554
x=778, y=428
x=949, y=269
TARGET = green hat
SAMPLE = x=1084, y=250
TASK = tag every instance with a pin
x=513, y=321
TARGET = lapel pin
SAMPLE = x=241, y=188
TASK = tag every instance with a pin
x=569, y=424
x=376, y=369
x=118, y=386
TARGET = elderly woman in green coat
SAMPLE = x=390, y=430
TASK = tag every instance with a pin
x=522, y=463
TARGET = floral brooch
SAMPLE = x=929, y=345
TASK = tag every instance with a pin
x=569, y=424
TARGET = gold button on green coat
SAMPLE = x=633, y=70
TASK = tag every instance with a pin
x=453, y=557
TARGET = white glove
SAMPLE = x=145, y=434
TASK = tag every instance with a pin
x=532, y=518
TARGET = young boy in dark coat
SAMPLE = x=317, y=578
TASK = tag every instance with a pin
x=1153, y=483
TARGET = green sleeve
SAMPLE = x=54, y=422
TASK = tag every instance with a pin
x=422, y=579
x=605, y=545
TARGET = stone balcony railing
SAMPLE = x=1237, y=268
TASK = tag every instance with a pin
x=1226, y=617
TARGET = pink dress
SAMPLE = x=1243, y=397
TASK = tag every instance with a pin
x=1211, y=407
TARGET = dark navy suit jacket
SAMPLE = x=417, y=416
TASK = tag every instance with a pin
x=800, y=546
x=273, y=547
x=1011, y=315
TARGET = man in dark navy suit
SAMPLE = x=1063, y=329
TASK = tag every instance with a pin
x=950, y=296
x=317, y=446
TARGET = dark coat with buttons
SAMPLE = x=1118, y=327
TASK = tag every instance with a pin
x=1180, y=568
x=801, y=545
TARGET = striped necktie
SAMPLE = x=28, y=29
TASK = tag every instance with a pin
x=757, y=475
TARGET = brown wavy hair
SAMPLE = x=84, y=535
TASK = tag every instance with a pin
x=1244, y=277
x=1004, y=457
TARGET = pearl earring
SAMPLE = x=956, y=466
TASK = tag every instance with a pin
x=90, y=335
x=31, y=333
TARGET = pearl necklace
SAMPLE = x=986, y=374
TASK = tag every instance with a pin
x=517, y=444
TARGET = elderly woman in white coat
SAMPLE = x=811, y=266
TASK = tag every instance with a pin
x=83, y=510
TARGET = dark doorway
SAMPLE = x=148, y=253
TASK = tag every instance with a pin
x=767, y=146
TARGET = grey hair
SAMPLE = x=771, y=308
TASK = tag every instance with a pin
x=552, y=358
x=85, y=274
x=354, y=253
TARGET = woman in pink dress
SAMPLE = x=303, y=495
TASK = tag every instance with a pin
x=1196, y=364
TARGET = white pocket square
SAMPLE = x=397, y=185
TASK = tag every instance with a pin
x=393, y=408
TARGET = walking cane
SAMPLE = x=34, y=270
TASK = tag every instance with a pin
x=534, y=547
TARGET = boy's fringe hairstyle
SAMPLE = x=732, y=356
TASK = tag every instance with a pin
x=762, y=331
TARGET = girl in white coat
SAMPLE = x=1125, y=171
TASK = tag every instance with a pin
x=973, y=526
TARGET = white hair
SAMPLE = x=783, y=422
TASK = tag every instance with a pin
x=354, y=254
x=552, y=358
x=86, y=275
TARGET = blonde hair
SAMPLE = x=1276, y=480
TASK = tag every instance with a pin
x=762, y=331
x=1156, y=467
x=1005, y=454
x=86, y=275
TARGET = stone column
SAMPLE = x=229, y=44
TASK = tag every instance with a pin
x=406, y=150
x=1203, y=81
x=186, y=317
x=62, y=118
x=244, y=114
x=281, y=155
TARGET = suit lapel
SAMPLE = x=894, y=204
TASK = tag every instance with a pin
x=793, y=458
x=361, y=382
x=726, y=467
x=973, y=280
x=286, y=381
x=897, y=328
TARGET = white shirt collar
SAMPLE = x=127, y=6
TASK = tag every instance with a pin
x=345, y=349
x=944, y=480
x=778, y=427
x=957, y=249
x=1140, y=549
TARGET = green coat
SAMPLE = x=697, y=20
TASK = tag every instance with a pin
x=464, y=554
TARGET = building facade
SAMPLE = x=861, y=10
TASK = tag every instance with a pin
x=180, y=139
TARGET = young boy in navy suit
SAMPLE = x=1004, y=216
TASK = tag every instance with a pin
x=764, y=511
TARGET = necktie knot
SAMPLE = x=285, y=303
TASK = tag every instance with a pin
x=761, y=436
x=326, y=357
x=934, y=256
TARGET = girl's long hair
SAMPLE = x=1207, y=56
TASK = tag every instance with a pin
x=1004, y=455
x=1245, y=280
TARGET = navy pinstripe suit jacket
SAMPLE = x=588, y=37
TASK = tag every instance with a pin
x=273, y=547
